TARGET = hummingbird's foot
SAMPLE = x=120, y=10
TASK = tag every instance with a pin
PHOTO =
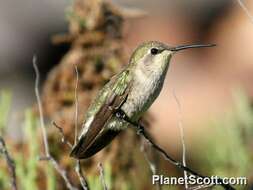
x=121, y=114
x=140, y=129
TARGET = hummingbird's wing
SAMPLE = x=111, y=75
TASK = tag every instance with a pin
x=94, y=136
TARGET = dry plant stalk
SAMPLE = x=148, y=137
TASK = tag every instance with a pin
x=78, y=163
x=180, y=126
x=63, y=138
x=10, y=163
x=80, y=175
x=48, y=156
x=76, y=104
x=78, y=169
x=152, y=165
x=102, y=176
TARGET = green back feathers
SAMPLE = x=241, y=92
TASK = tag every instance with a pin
x=122, y=82
x=118, y=84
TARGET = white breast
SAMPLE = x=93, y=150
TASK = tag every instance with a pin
x=145, y=90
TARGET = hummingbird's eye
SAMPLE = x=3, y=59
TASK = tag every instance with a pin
x=154, y=51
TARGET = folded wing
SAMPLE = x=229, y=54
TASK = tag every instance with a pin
x=95, y=136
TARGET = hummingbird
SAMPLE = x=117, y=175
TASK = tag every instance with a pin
x=132, y=91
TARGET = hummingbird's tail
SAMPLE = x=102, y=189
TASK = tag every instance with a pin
x=79, y=151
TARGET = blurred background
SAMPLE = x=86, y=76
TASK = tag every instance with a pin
x=214, y=86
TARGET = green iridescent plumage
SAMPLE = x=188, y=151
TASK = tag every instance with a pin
x=132, y=91
x=110, y=98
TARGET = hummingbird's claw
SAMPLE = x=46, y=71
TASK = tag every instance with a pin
x=121, y=114
x=140, y=129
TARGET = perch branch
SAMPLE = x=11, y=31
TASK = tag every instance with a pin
x=10, y=163
x=102, y=176
x=47, y=156
x=180, y=126
x=142, y=132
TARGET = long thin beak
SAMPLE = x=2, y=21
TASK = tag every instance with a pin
x=182, y=47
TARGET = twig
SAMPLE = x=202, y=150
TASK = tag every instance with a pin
x=102, y=176
x=245, y=10
x=47, y=156
x=76, y=103
x=78, y=170
x=201, y=187
x=142, y=132
x=180, y=125
x=60, y=170
x=63, y=138
x=81, y=177
x=152, y=165
x=42, y=122
x=10, y=162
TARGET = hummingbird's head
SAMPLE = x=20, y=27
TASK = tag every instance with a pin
x=154, y=56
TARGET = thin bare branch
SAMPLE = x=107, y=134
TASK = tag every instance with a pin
x=81, y=177
x=201, y=187
x=76, y=103
x=102, y=176
x=10, y=163
x=245, y=9
x=78, y=170
x=47, y=156
x=42, y=122
x=60, y=170
x=142, y=132
x=180, y=126
x=63, y=138
x=151, y=164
